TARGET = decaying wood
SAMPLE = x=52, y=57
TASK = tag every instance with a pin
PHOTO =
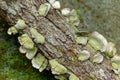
x=60, y=38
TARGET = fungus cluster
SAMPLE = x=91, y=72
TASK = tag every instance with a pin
x=98, y=43
x=28, y=46
x=102, y=47
x=20, y=24
x=94, y=39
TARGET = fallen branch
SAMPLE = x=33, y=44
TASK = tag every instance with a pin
x=55, y=42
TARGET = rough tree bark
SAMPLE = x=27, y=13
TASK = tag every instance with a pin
x=60, y=41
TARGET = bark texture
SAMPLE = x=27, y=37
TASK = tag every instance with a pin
x=60, y=39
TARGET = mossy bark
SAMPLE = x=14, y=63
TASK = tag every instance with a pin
x=60, y=38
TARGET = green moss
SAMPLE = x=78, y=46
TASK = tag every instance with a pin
x=15, y=66
x=79, y=15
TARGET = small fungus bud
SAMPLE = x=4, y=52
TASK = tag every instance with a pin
x=43, y=9
x=73, y=18
x=98, y=58
x=110, y=50
x=56, y=5
x=84, y=55
x=12, y=30
x=115, y=66
x=22, y=49
x=82, y=40
x=65, y=11
x=20, y=24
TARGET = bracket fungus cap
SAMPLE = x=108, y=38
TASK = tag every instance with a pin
x=116, y=64
x=38, y=61
x=82, y=40
x=116, y=59
x=73, y=18
x=110, y=50
x=56, y=5
x=98, y=41
x=12, y=30
x=98, y=58
x=43, y=9
x=38, y=38
x=30, y=53
x=43, y=66
x=26, y=41
x=84, y=55
x=22, y=49
x=73, y=77
x=56, y=67
x=65, y=11
x=20, y=24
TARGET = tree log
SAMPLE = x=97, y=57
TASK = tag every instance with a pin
x=60, y=41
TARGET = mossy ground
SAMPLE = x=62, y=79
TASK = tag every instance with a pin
x=13, y=65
